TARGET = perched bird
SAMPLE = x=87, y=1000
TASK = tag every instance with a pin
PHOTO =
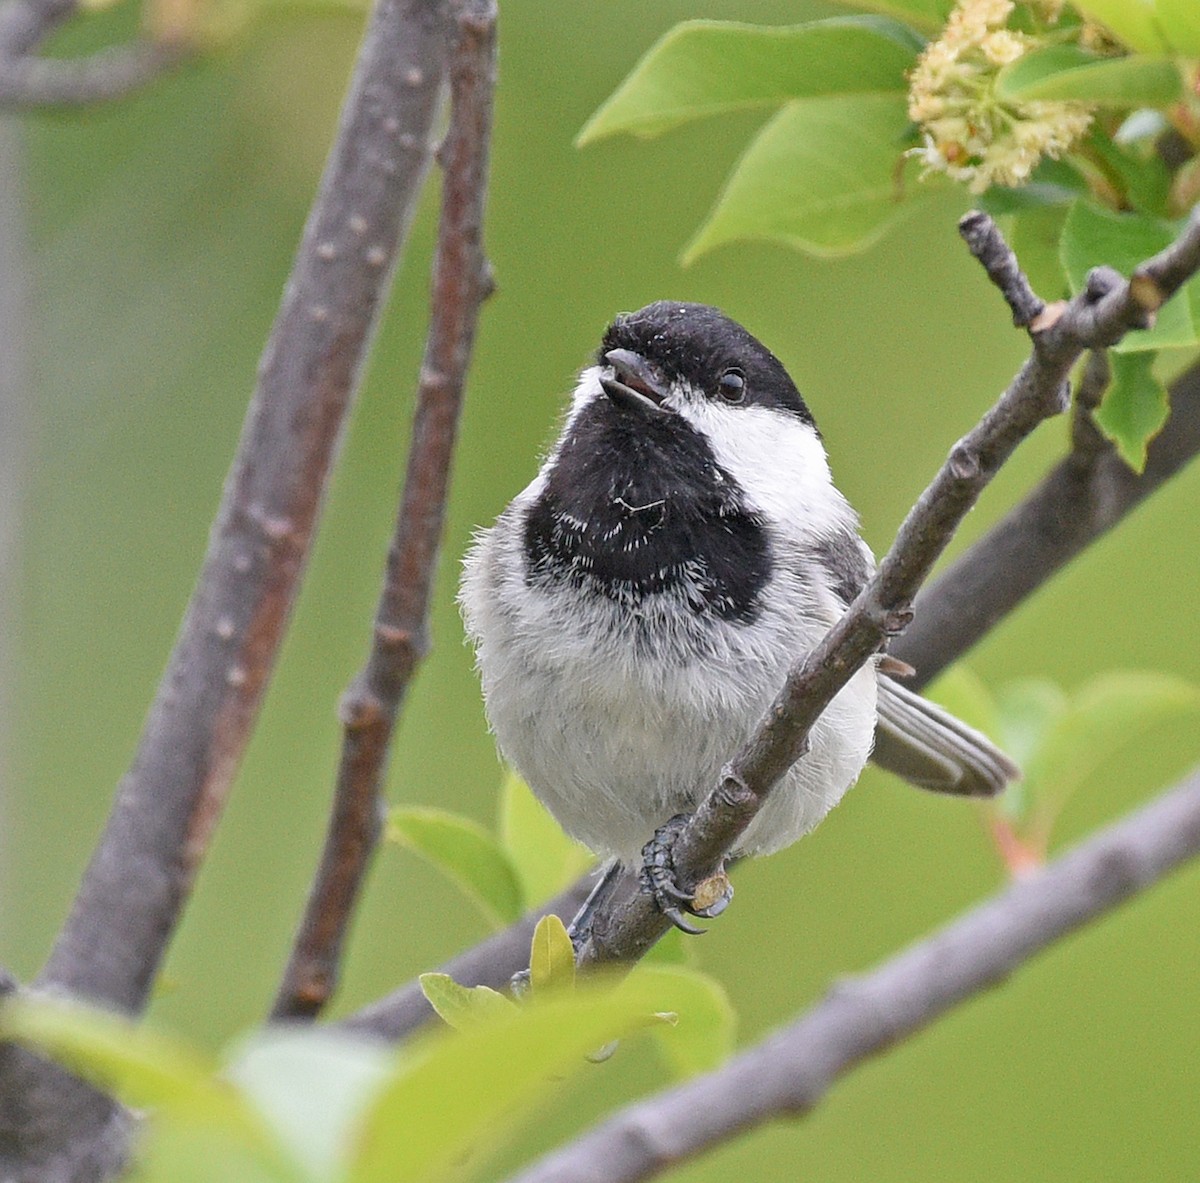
x=636, y=609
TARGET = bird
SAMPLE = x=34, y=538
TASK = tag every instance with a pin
x=635, y=610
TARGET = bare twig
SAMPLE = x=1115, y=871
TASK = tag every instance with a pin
x=401, y=633
x=113, y=73
x=169, y=802
x=1098, y=317
x=789, y=1073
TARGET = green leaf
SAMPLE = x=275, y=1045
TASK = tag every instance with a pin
x=147, y=1070
x=1142, y=172
x=1065, y=72
x=1130, y=21
x=964, y=694
x=463, y=1007
x=1026, y=711
x=1180, y=23
x=673, y=948
x=551, y=957
x=1135, y=406
x=823, y=176
x=703, y=1030
x=466, y=852
x=705, y=68
x=1036, y=235
x=310, y=1085
x=1093, y=236
x=926, y=15
x=461, y=1095
x=546, y=860
x=1100, y=719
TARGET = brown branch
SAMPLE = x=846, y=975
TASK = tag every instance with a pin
x=400, y=638
x=791, y=1071
x=1097, y=317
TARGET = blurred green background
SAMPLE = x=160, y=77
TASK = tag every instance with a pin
x=162, y=230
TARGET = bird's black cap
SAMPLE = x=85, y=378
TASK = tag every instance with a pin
x=699, y=344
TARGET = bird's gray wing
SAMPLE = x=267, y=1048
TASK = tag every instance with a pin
x=927, y=746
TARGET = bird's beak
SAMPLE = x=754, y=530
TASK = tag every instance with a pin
x=634, y=384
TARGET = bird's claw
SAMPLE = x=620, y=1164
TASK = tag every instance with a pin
x=710, y=898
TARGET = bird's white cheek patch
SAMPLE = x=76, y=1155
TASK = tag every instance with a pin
x=779, y=462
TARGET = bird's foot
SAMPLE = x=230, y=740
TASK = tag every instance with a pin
x=709, y=898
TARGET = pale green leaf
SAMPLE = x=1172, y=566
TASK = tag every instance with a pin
x=463, y=1007
x=170, y=1151
x=1180, y=24
x=1035, y=236
x=310, y=1084
x=823, y=176
x=546, y=860
x=1132, y=22
x=143, y=1067
x=1093, y=236
x=466, y=852
x=462, y=1094
x=1064, y=72
x=551, y=957
x=673, y=948
x=926, y=15
x=1026, y=710
x=705, y=68
x=1135, y=406
x=965, y=695
x=703, y=1025
x=1103, y=717
x=148, y=1070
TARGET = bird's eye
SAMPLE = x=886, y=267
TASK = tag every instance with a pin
x=731, y=386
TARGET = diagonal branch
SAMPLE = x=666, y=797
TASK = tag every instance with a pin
x=1099, y=316
x=790, y=1072
x=400, y=638
x=168, y=803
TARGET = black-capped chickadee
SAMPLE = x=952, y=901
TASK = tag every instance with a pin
x=637, y=608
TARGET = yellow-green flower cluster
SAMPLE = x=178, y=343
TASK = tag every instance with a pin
x=970, y=133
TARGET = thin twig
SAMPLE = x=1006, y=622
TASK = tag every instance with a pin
x=1098, y=317
x=112, y=73
x=169, y=802
x=789, y=1073
x=400, y=638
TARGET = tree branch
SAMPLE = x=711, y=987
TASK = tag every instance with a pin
x=789, y=1073
x=1099, y=316
x=170, y=800
x=32, y=82
x=400, y=639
